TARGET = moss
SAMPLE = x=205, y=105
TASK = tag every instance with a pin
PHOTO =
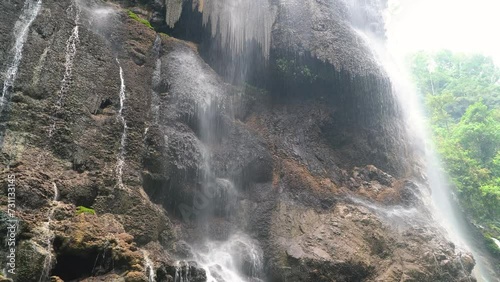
x=134, y=16
x=82, y=209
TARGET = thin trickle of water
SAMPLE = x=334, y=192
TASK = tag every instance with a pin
x=149, y=267
x=30, y=11
x=182, y=272
x=121, y=155
x=71, y=48
x=49, y=236
x=56, y=193
x=155, y=98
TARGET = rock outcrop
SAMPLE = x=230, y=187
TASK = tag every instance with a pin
x=317, y=158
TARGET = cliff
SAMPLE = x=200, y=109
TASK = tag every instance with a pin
x=305, y=169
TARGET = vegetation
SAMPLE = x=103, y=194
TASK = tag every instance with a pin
x=134, y=16
x=82, y=209
x=462, y=94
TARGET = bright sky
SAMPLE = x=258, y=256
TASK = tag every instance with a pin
x=458, y=25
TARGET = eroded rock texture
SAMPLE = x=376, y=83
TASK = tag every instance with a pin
x=324, y=181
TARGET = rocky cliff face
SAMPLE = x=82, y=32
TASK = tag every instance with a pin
x=311, y=161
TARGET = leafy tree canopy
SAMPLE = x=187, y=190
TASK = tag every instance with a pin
x=462, y=95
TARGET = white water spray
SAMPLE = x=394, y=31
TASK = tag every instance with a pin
x=121, y=155
x=444, y=210
x=236, y=21
x=49, y=236
x=149, y=267
x=238, y=259
x=155, y=99
x=71, y=48
x=30, y=11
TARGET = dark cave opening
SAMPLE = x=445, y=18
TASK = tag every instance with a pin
x=105, y=103
x=73, y=265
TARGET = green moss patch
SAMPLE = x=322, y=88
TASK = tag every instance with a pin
x=82, y=209
x=134, y=16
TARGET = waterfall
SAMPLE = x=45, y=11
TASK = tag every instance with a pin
x=444, y=210
x=149, y=267
x=182, y=272
x=71, y=49
x=21, y=28
x=49, y=234
x=240, y=21
x=121, y=155
x=238, y=259
x=230, y=255
x=236, y=21
x=448, y=214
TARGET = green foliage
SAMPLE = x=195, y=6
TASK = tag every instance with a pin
x=466, y=78
x=134, y=16
x=492, y=246
x=462, y=95
x=82, y=209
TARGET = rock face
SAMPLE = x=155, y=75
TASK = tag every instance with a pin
x=314, y=167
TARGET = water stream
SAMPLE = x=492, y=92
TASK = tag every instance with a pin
x=121, y=155
x=48, y=235
x=238, y=258
x=30, y=11
x=155, y=99
x=71, y=48
x=149, y=267
x=229, y=255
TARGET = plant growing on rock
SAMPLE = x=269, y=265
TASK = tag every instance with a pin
x=134, y=16
x=82, y=209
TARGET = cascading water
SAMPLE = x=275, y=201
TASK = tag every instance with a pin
x=149, y=267
x=238, y=258
x=230, y=255
x=30, y=10
x=155, y=99
x=440, y=202
x=236, y=21
x=121, y=155
x=71, y=48
x=48, y=234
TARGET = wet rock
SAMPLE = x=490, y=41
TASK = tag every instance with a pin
x=316, y=159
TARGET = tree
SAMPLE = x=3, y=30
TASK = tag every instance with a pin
x=462, y=95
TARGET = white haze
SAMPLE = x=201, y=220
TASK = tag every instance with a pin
x=457, y=25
